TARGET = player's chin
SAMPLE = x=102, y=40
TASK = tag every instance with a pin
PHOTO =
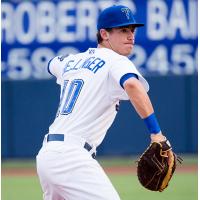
x=127, y=51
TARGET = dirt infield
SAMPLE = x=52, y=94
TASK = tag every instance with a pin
x=108, y=170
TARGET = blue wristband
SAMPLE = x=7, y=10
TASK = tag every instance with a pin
x=152, y=124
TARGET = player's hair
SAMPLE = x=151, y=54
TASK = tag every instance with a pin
x=99, y=38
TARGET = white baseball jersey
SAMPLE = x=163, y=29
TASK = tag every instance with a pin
x=90, y=91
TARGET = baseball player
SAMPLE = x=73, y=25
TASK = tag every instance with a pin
x=92, y=84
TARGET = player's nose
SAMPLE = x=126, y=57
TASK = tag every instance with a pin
x=131, y=36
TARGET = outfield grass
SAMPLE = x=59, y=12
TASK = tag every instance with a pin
x=20, y=188
x=179, y=189
x=183, y=186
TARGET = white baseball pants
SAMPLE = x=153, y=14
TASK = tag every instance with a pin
x=67, y=171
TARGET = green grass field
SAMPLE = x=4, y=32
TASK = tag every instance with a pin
x=183, y=186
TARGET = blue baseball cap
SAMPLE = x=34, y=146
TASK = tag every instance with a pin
x=116, y=16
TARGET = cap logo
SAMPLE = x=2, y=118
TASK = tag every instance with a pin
x=126, y=11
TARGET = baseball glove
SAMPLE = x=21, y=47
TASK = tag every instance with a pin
x=156, y=166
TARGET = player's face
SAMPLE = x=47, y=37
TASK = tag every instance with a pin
x=122, y=39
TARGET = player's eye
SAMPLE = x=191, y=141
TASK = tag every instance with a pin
x=124, y=30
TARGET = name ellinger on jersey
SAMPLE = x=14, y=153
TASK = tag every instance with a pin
x=92, y=63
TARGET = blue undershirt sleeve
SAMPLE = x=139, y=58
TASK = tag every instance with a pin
x=127, y=76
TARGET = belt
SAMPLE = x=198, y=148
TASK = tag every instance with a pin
x=60, y=137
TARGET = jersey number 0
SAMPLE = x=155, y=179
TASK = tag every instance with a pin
x=69, y=96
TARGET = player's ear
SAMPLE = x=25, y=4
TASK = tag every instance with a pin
x=104, y=34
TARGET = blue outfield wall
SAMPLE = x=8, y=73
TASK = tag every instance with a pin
x=29, y=107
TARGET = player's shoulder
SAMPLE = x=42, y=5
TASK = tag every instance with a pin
x=56, y=63
x=113, y=56
x=59, y=59
x=108, y=53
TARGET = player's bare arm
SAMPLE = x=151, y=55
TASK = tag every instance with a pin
x=141, y=102
x=138, y=96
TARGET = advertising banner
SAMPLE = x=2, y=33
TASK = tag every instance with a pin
x=33, y=32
